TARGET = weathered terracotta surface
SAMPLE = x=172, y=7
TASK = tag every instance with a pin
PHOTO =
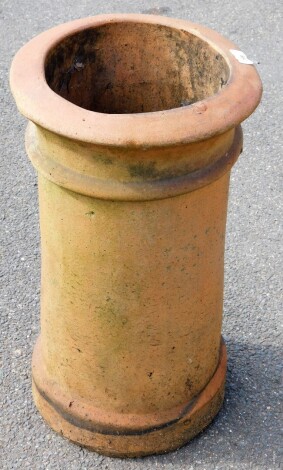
x=134, y=127
x=170, y=70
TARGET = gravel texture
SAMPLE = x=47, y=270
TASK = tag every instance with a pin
x=245, y=434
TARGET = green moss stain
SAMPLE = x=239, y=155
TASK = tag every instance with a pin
x=101, y=158
x=90, y=214
x=144, y=171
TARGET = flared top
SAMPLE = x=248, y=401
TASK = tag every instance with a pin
x=134, y=81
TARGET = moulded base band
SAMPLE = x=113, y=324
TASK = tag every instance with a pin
x=196, y=415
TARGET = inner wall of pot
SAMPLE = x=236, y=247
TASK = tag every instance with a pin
x=120, y=68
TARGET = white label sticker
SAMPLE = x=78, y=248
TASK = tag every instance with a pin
x=240, y=56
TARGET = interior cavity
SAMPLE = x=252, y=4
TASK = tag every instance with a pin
x=120, y=68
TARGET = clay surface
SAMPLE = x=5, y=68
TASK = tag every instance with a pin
x=134, y=68
x=130, y=359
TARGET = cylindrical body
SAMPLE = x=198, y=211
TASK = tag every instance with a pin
x=130, y=359
x=132, y=296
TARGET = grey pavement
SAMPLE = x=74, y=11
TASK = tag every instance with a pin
x=245, y=434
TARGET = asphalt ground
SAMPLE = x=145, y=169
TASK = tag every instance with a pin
x=245, y=434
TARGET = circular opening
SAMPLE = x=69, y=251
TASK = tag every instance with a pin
x=120, y=68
